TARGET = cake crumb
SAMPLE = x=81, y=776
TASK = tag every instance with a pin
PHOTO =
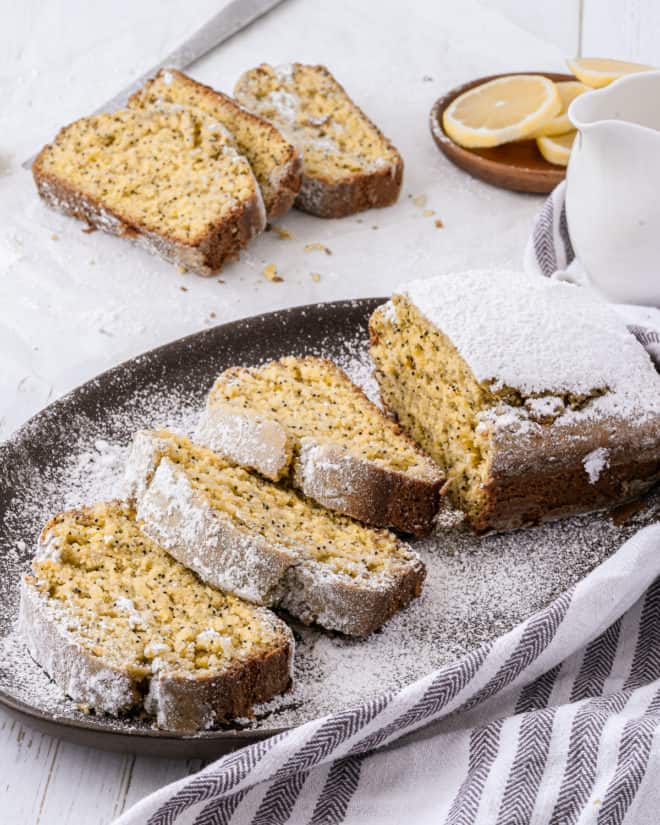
x=182, y=269
x=183, y=288
x=428, y=212
x=54, y=237
x=282, y=233
x=310, y=247
x=438, y=223
x=212, y=315
x=270, y=272
x=220, y=281
x=419, y=200
x=315, y=277
x=375, y=226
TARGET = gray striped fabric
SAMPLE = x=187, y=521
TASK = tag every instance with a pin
x=556, y=722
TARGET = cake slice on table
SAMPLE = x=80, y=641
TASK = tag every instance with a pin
x=169, y=179
x=349, y=165
x=303, y=418
x=531, y=393
x=121, y=626
x=265, y=542
x=275, y=161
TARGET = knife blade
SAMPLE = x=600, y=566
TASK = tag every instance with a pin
x=235, y=16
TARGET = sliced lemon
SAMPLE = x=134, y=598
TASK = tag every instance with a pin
x=556, y=149
x=501, y=110
x=560, y=124
x=600, y=71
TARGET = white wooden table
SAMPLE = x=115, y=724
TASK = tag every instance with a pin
x=73, y=304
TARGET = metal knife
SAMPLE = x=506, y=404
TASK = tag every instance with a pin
x=233, y=18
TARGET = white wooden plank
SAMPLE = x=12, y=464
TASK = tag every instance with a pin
x=553, y=21
x=27, y=761
x=45, y=780
x=623, y=29
x=87, y=785
x=149, y=774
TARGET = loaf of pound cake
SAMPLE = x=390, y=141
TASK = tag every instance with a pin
x=304, y=419
x=349, y=165
x=276, y=163
x=530, y=393
x=122, y=627
x=170, y=179
x=265, y=542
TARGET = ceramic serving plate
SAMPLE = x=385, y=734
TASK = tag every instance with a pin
x=72, y=453
x=518, y=165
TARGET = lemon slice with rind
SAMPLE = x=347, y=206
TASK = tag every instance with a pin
x=556, y=149
x=501, y=110
x=597, y=72
x=560, y=124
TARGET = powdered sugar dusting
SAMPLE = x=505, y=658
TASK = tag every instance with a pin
x=476, y=588
x=540, y=336
x=595, y=462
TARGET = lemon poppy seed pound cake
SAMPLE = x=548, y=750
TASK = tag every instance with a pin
x=531, y=394
x=275, y=161
x=265, y=542
x=348, y=164
x=171, y=180
x=121, y=626
x=303, y=418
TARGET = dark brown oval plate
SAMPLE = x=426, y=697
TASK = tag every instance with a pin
x=518, y=166
x=110, y=407
x=72, y=452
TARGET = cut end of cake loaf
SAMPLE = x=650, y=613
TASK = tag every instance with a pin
x=120, y=626
x=304, y=418
x=171, y=180
x=265, y=541
x=276, y=163
x=349, y=166
x=503, y=380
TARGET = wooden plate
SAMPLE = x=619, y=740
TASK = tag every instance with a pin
x=518, y=166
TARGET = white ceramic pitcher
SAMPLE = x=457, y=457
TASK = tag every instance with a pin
x=613, y=188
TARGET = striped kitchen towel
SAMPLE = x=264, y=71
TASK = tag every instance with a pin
x=557, y=722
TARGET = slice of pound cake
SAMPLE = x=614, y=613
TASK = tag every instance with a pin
x=121, y=626
x=265, y=542
x=349, y=165
x=304, y=418
x=170, y=179
x=531, y=393
x=276, y=163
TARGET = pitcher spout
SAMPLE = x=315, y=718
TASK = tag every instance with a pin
x=631, y=101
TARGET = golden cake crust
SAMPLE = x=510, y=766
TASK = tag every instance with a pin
x=320, y=194
x=278, y=573
x=204, y=255
x=585, y=437
x=325, y=470
x=282, y=185
x=179, y=701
